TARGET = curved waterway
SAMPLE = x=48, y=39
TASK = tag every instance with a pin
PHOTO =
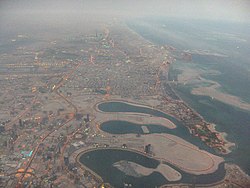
x=233, y=76
x=124, y=127
x=101, y=161
x=117, y=106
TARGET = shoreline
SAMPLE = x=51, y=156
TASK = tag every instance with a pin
x=220, y=96
x=135, y=118
x=229, y=167
x=137, y=170
x=223, y=135
x=176, y=176
x=227, y=145
x=117, y=100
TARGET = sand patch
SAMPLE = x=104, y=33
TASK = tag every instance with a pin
x=214, y=93
x=136, y=170
x=137, y=118
x=182, y=154
x=194, y=77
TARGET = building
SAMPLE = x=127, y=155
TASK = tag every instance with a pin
x=148, y=149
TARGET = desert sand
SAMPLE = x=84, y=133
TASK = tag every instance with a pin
x=136, y=170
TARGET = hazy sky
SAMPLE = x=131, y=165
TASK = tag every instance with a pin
x=231, y=10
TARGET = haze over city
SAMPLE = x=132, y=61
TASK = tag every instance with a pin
x=124, y=93
x=229, y=10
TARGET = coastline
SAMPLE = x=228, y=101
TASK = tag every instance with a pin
x=228, y=145
x=159, y=168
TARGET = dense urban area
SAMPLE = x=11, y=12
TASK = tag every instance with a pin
x=49, y=113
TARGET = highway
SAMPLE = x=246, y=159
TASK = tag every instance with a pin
x=61, y=82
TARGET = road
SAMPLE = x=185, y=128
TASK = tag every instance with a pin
x=61, y=82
